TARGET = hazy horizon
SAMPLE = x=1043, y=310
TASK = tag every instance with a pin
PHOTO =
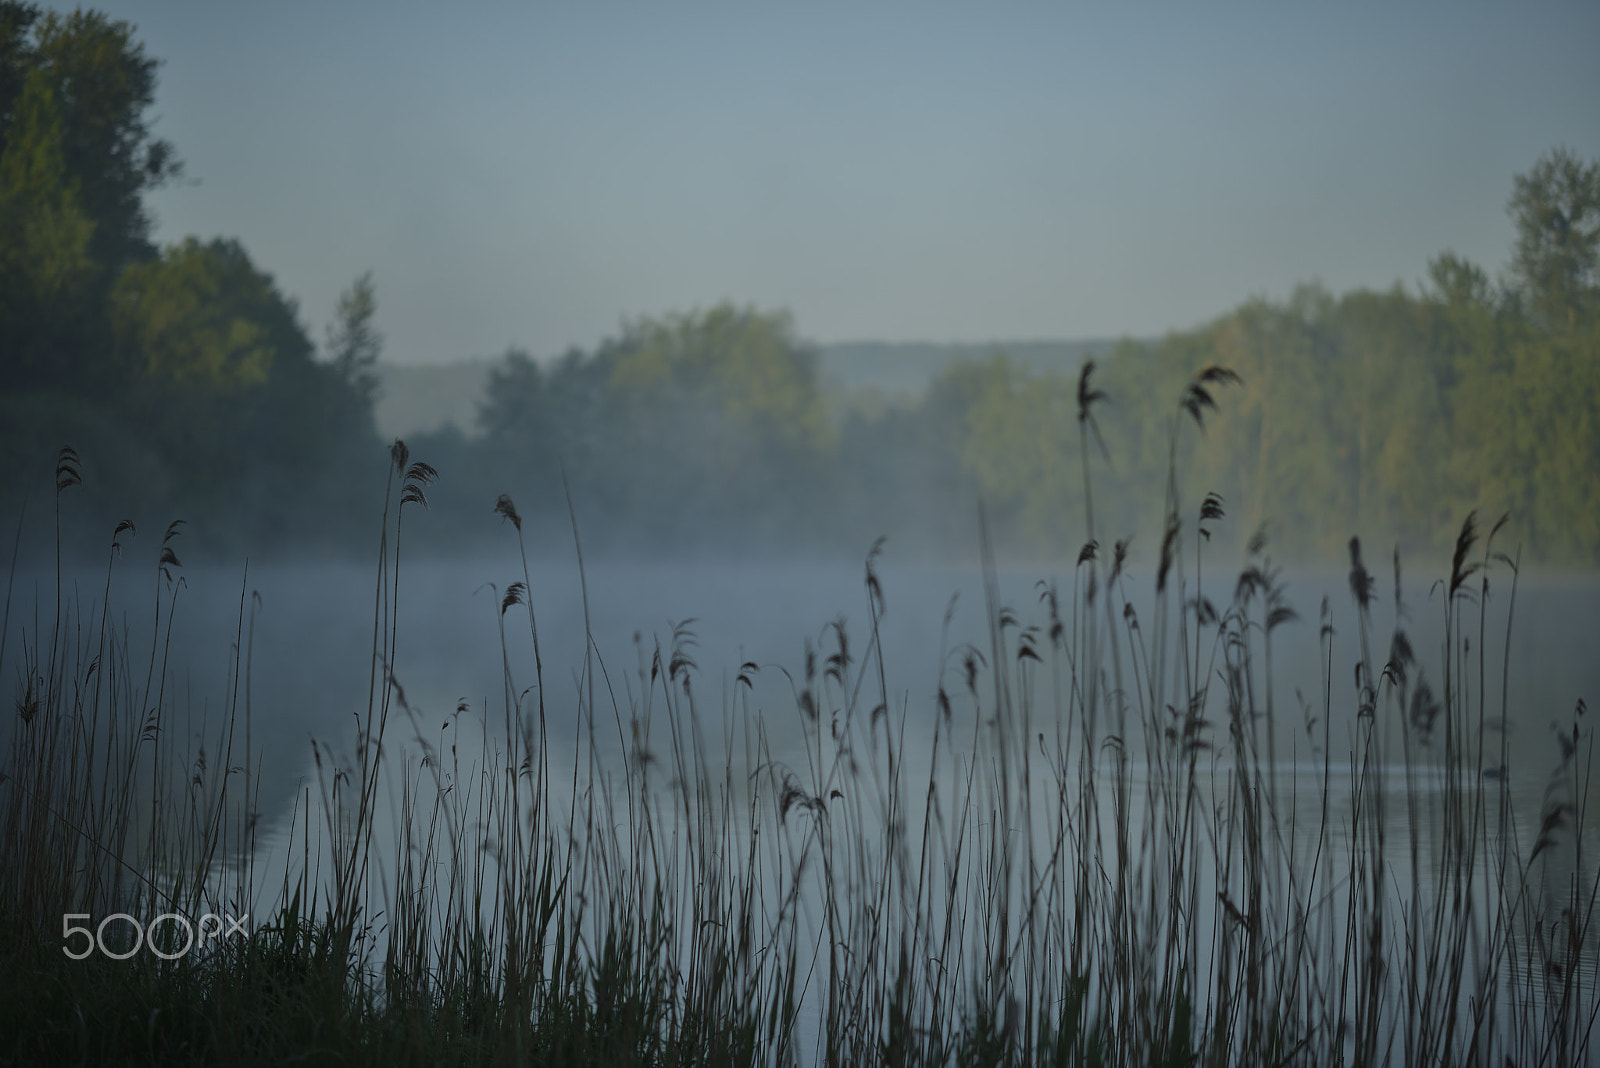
x=533, y=177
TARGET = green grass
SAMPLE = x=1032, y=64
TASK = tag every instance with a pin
x=1084, y=853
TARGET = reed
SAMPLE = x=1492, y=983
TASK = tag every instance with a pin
x=1084, y=852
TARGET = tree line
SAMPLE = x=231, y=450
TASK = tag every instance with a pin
x=1388, y=414
x=185, y=379
x=181, y=375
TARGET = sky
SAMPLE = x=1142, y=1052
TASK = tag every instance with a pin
x=535, y=174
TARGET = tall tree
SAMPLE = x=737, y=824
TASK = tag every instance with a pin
x=47, y=273
x=76, y=158
x=354, y=343
x=104, y=84
x=1556, y=207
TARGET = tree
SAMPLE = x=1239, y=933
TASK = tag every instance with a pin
x=184, y=373
x=46, y=270
x=1457, y=282
x=524, y=410
x=201, y=316
x=354, y=344
x=76, y=157
x=224, y=388
x=745, y=364
x=103, y=83
x=1556, y=207
x=684, y=423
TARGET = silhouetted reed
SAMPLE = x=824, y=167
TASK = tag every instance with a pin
x=1085, y=850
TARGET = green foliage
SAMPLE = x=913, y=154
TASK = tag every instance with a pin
x=76, y=157
x=203, y=318
x=185, y=372
x=1387, y=411
x=105, y=83
x=1556, y=207
x=1022, y=444
x=742, y=364
x=45, y=264
x=682, y=419
x=1390, y=412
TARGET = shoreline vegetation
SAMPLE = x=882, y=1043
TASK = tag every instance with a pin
x=1096, y=858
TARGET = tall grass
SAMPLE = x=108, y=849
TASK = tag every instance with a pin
x=1100, y=845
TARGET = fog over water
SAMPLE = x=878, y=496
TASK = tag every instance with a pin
x=307, y=628
x=309, y=635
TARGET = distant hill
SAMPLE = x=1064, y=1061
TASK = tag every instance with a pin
x=901, y=370
x=416, y=398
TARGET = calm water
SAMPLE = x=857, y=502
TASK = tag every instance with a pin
x=313, y=628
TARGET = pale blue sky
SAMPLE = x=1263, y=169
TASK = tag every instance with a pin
x=530, y=174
